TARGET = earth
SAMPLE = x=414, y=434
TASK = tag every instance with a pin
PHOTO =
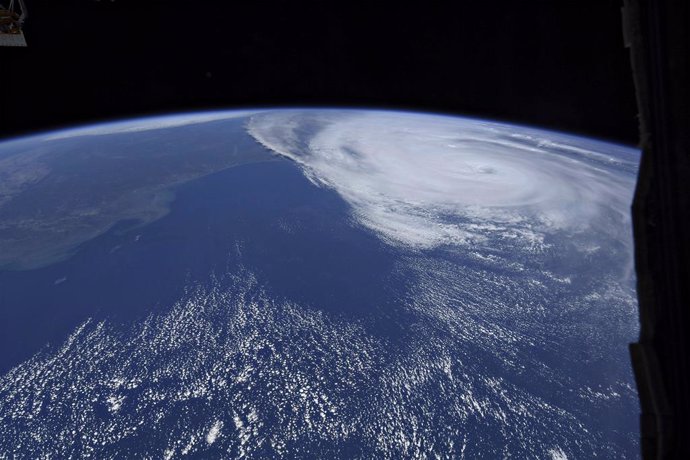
x=316, y=283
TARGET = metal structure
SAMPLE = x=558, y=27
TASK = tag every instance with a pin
x=11, y=20
x=658, y=34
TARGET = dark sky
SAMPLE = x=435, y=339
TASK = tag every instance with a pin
x=559, y=64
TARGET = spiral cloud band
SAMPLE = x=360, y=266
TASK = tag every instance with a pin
x=430, y=180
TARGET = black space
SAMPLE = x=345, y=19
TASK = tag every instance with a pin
x=557, y=64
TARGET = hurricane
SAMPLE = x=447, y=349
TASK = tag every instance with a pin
x=411, y=178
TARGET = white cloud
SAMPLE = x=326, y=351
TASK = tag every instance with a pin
x=147, y=124
x=426, y=180
x=214, y=432
x=557, y=454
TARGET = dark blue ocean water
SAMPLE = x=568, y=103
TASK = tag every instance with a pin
x=265, y=217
